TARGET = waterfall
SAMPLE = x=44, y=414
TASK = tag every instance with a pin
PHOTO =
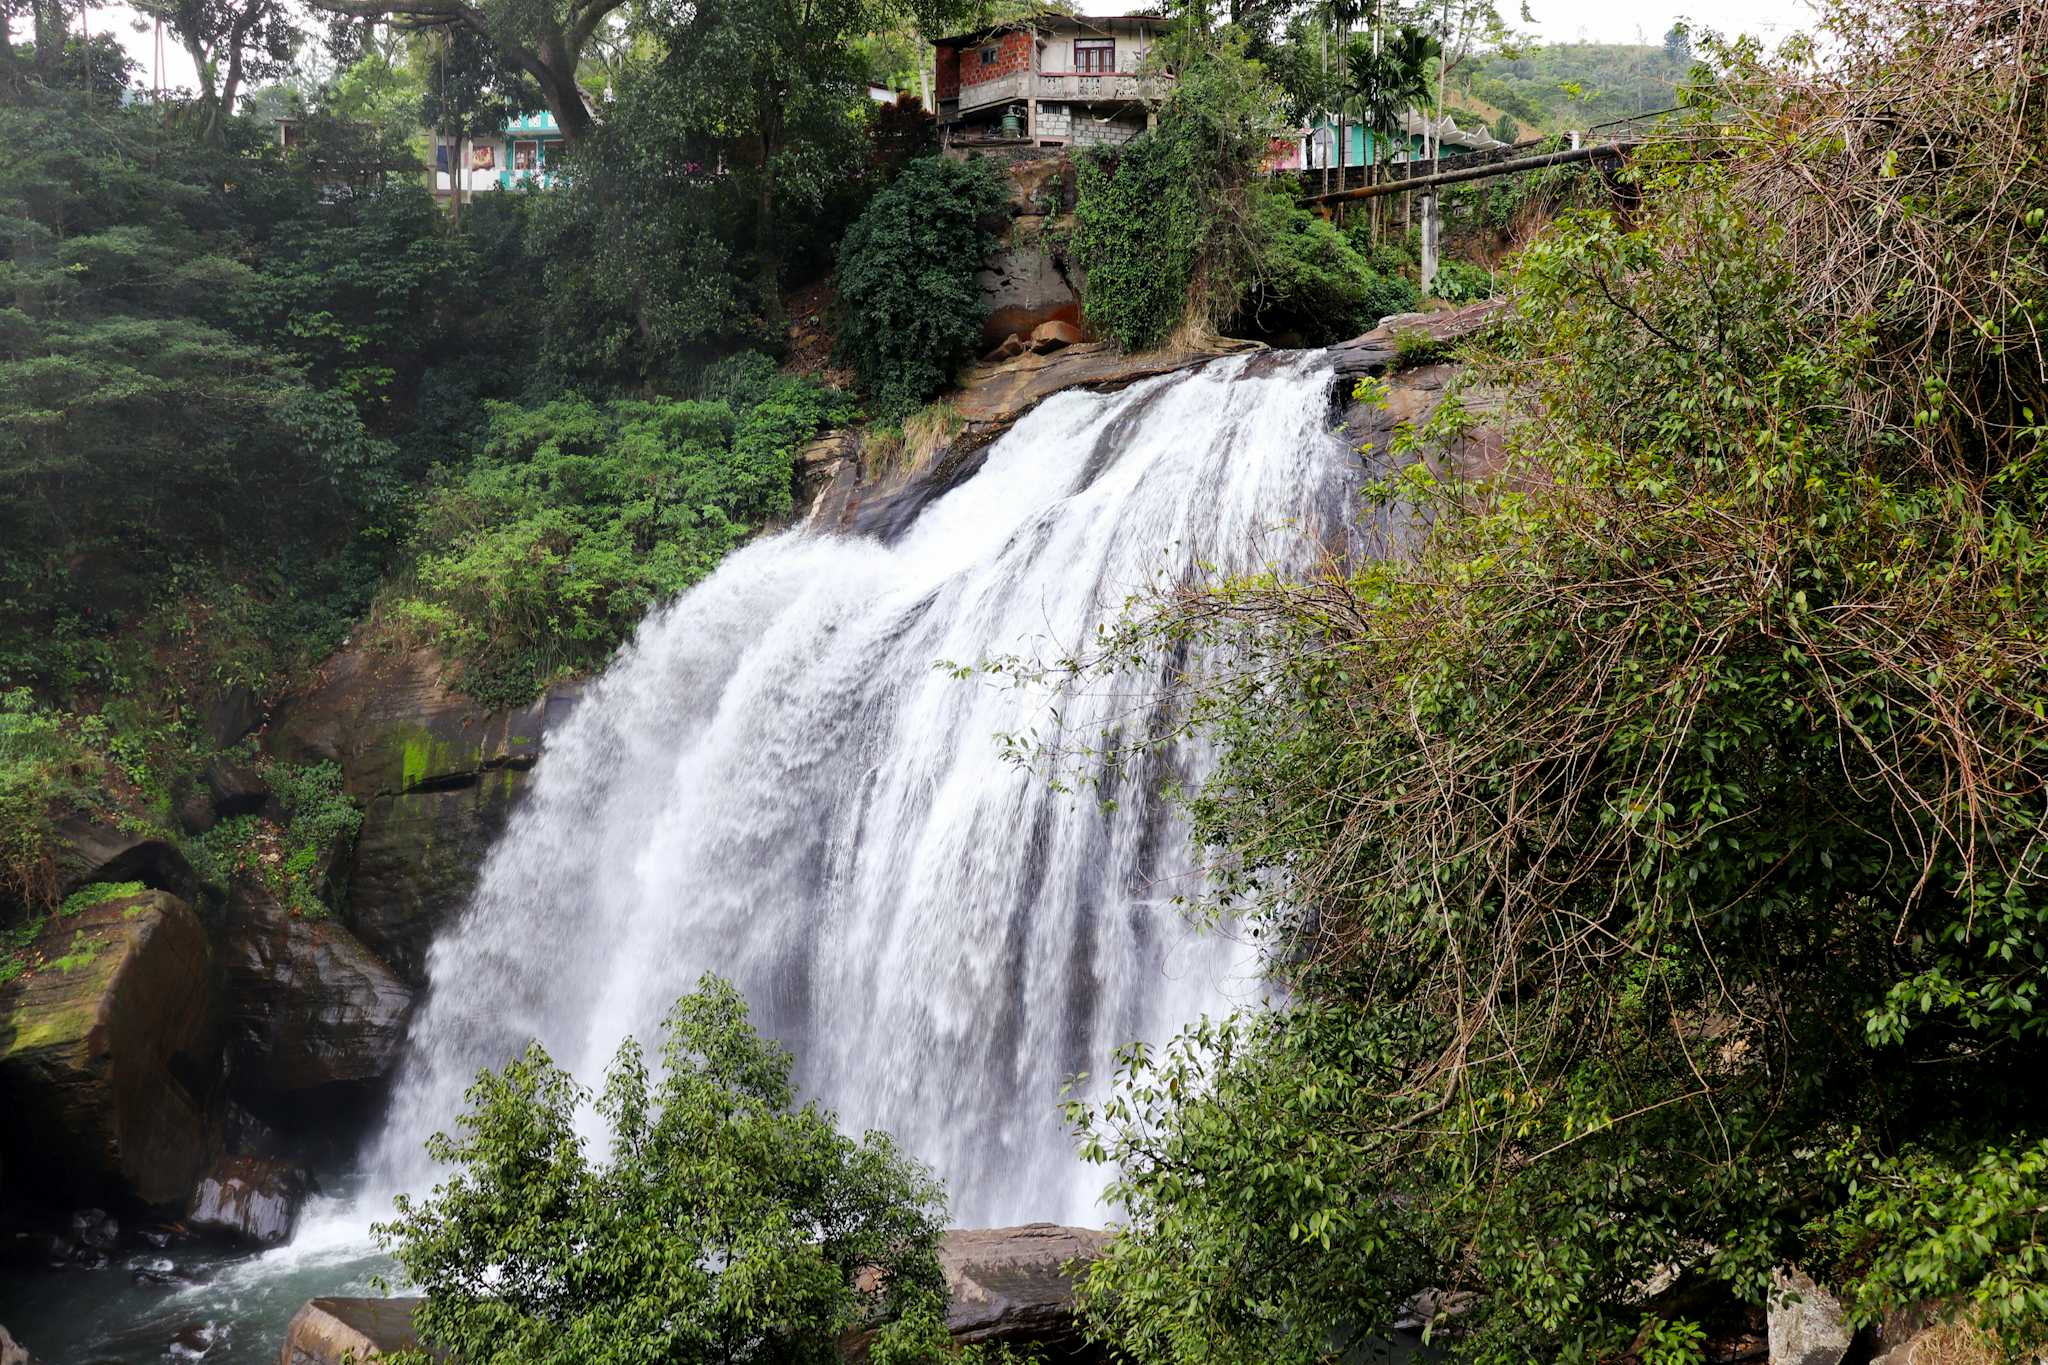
x=775, y=782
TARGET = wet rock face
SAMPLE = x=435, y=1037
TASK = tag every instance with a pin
x=12, y=1352
x=250, y=1200
x=1012, y=1285
x=331, y=1331
x=90, y=850
x=110, y=1057
x=436, y=774
x=309, y=1005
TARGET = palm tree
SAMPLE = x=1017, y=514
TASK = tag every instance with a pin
x=1340, y=17
x=1386, y=78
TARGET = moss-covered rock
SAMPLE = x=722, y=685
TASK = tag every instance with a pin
x=110, y=1056
x=436, y=775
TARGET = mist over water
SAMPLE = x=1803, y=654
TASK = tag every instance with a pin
x=774, y=782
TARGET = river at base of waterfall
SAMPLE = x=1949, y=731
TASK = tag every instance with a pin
x=779, y=780
x=192, y=1301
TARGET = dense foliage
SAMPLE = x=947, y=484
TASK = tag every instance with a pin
x=911, y=307
x=1311, y=282
x=1653, y=857
x=726, y=1222
x=1159, y=223
x=543, y=553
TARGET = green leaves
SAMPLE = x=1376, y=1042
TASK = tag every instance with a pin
x=575, y=516
x=726, y=1222
x=1668, y=810
x=910, y=307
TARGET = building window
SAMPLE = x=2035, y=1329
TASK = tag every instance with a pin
x=1095, y=54
x=525, y=156
x=989, y=55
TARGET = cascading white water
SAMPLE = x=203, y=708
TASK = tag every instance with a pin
x=774, y=782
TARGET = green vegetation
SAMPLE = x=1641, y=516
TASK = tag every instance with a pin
x=1652, y=859
x=544, y=553
x=294, y=855
x=98, y=893
x=726, y=1223
x=1158, y=222
x=911, y=306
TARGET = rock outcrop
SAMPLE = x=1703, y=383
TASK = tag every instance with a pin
x=13, y=1352
x=1806, y=1323
x=110, y=1057
x=1023, y=285
x=249, y=1200
x=89, y=849
x=436, y=775
x=308, y=1005
x=1013, y=1284
x=332, y=1331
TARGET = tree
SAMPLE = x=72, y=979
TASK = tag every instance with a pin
x=545, y=41
x=1651, y=850
x=1678, y=45
x=230, y=42
x=911, y=310
x=726, y=1222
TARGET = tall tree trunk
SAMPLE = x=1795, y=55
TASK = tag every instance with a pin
x=553, y=67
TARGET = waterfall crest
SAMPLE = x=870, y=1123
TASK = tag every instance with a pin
x=775, y=782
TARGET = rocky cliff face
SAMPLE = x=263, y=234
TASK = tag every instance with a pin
x=436, y=775
x=309, y=1007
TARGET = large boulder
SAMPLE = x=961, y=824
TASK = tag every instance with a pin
x=250, y=1200
x=1806, y=1323
x=334, y=1331
x=1013, y=1284
x=436, y=774
x=110, y=1056
x=308, y=1005
x=90, y=849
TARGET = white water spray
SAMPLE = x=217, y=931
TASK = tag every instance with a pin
x=775, y=782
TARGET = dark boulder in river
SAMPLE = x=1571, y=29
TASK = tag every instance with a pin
x=110, y=1057
x=309, y=1005
x=251, y=1200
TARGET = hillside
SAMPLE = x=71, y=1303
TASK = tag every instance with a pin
x=1573, y=85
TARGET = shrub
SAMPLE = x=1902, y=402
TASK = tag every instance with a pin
x=542, y=554
x=725, y=1222
x=910, y=309
x=1162, y=225
x=1653, y=853
x=47, y=764
x=1462, y=282
x=1309, y=281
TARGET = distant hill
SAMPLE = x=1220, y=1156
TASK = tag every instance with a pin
x=1573, y=85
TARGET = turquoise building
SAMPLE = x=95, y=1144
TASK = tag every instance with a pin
x=1362, y=146
x=523, y=152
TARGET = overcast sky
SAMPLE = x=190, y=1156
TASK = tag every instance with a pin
x=1558, y=21
x=1618, y=21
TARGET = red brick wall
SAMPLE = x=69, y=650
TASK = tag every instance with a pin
x=947, y=60
x=1013, y=54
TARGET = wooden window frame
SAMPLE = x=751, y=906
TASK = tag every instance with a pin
x=1096, y=50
